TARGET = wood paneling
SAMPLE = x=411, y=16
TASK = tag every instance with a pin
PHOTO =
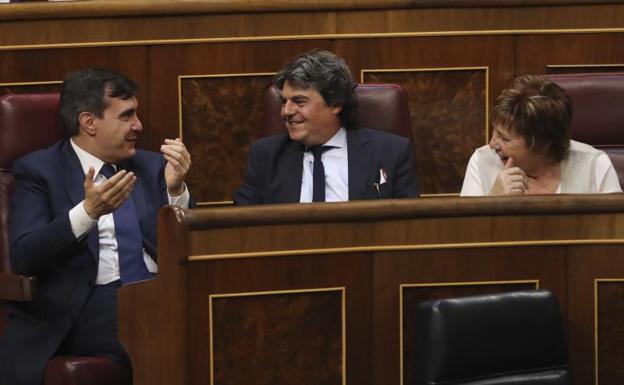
x=610, y=331
x=43, y=65
x=299, y=273
x=87, y=22
x=448, y=111
x=301, y=332
x=220, y=118
x=535, y=52
x=372, y=249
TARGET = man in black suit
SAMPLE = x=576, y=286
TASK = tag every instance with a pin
x=83, y=221
x=324, y=156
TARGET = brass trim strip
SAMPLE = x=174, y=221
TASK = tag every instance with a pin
x=275, y=292
x=243, y=74
x=596, y=282
x=469, y=283
x=22, y=84
x=311, y=37
x=341, y=289
x=378, y=248
x=439, y=284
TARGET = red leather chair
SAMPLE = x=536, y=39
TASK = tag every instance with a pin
x=598, y=117
x=382, y=106
x=29, y=122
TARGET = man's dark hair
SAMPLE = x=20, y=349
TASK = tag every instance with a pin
x=538, y=110
x=329, y=75
x=86, y=90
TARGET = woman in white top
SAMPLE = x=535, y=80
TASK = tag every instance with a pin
x=531, y=151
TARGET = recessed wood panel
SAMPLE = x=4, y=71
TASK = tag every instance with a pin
x=610, y=331
x=448, y=112
x=278, y=338
x=535, y=52
x=219, y=117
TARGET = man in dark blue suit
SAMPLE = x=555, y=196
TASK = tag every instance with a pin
x=83, y=221
x=324, y=156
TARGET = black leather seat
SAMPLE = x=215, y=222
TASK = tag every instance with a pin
x=512, y=338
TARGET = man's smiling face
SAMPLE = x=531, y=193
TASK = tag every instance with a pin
x=307, y=116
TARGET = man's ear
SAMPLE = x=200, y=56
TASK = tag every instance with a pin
x=86, y=120
x=336, y=110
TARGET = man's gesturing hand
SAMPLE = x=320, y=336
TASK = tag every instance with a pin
x=107, y=196
x=178, y=164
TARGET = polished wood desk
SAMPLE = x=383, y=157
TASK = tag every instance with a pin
x=325, y=293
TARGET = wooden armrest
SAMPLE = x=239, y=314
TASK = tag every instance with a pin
x=15, y=287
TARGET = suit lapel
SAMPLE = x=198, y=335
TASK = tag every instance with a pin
x=73, y=178
x=291, y=172
x=358, y=149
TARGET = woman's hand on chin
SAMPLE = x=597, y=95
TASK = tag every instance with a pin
x=511, y=181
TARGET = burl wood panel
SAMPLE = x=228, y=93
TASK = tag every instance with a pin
x=610, y=336
x=289, y=338
x=414, y=295
x=220, y=118
x=448, y=121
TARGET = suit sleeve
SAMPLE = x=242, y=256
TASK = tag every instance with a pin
x=406, y=181
x=252, y=190
x=37, y=237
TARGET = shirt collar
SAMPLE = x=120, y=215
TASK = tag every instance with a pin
x=339, y=139
x=86, y=160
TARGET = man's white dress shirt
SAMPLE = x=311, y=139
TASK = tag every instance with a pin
x=108, y=266
x=336, y=165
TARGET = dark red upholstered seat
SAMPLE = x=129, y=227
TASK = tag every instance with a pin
x=598, y=117
x=29, y=122
x=381, y=106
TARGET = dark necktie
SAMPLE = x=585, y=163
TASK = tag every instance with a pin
x=132, y=267
x=318, y=173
